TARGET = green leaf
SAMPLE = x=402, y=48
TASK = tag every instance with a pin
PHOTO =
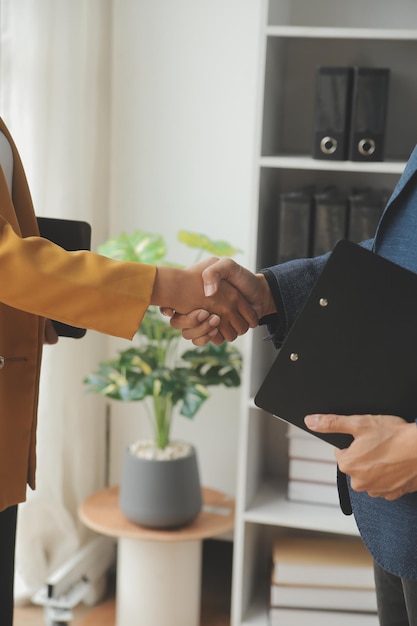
x=194, y=397
x=156, y=327
x=140, y=247
x=215, y=365
x=202, y=242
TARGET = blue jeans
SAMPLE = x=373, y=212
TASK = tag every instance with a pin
x=396, y=598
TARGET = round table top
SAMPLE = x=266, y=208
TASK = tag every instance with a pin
x=101, y=513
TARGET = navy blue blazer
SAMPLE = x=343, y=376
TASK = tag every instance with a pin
x=389, y=529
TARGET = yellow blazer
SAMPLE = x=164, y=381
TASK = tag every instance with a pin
x=39, y=280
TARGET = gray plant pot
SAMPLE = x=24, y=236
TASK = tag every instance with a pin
x=160, y=493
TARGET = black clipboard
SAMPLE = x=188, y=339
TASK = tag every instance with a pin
x=70, y=235
x=353, y=347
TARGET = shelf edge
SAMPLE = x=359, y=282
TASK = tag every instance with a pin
x=330, y=32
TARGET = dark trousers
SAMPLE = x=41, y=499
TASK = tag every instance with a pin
x=396, y=598
x=8, y=520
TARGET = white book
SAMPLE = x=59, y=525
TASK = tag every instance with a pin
x=322, y=561
x=312, y=471
x=301, y=617
x=302, y=445
x=335, y=598
x=317, y=493
x=294, y=431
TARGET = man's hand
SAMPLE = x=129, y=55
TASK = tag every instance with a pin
x=253, y=287
x=382, y=459
x=199, y=326
x=182, y=291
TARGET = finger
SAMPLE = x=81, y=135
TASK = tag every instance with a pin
x=330, y=423
x=228, y=331
x=393, y=495
x=214, y=273
x=387, y=495
x=239, y=325
x=214, y=336
x=203, y=329
x=233, y=307
x=191, y=320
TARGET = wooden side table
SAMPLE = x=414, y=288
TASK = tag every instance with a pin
x=158, y=571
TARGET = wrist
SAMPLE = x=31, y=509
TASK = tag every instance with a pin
x=266, y=305
x=406, y=442
x=166, y=286
x=178, y=289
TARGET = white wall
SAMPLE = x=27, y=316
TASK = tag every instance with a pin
x=184, y=110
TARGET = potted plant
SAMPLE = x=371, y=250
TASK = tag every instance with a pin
x=154, y=370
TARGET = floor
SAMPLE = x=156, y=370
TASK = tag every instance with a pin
x=216, y=591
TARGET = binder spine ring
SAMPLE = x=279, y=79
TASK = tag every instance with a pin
x=328, y=145
x=366, y=147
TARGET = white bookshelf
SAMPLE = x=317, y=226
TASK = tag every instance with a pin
x=297, y=36
x=308, y=163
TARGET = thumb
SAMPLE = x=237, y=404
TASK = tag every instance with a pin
x=222, y=269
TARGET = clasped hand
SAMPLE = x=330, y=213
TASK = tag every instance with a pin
x=235, y=300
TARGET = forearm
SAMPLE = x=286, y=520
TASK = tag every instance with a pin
x=79, y=288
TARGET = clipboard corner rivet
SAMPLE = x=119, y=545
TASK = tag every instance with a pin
x=294, y=356
x=323, y=302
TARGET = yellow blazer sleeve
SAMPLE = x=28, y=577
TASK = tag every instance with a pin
x=79, y=288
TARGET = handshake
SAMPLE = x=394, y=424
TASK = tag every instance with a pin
x=215, y=300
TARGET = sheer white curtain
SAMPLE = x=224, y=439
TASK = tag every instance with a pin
x=54, y=96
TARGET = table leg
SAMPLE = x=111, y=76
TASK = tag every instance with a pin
x=158, y=583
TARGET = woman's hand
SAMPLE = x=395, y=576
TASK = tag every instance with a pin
x=382, y=459
x=199, y=326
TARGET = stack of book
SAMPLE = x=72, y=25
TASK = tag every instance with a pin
x=323, y=580
x=312, y=469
